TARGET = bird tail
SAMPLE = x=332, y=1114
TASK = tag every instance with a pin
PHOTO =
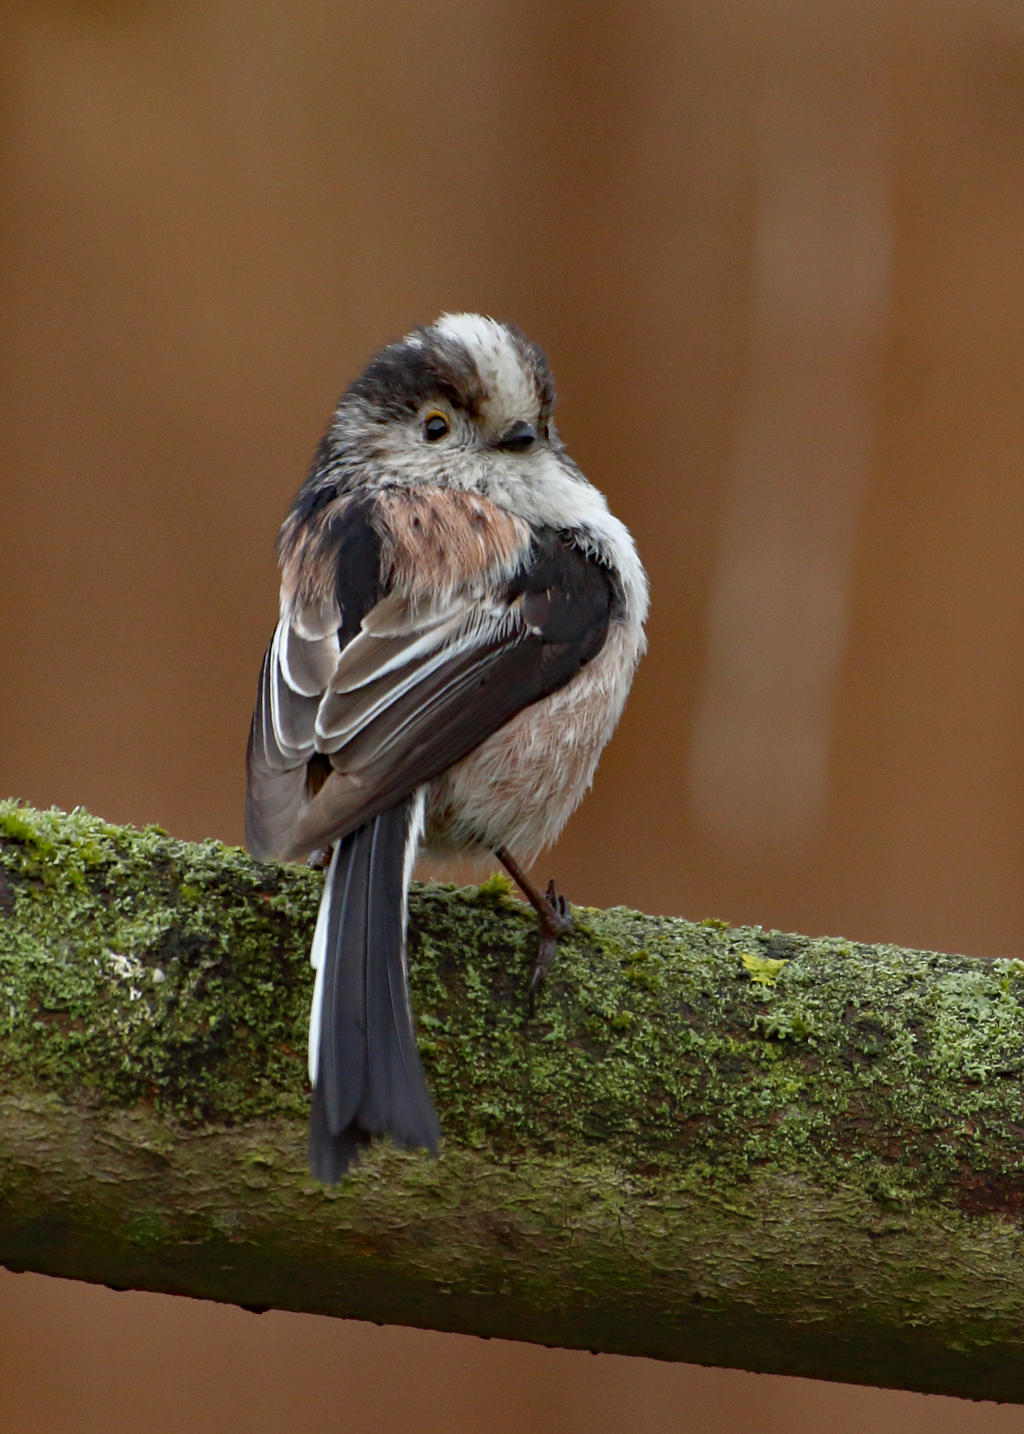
x=363, y=1061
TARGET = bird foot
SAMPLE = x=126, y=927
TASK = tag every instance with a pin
x=554, y=917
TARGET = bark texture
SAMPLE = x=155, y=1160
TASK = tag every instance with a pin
x=715, y=1144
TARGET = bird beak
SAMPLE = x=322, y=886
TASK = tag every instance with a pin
x=518, y=438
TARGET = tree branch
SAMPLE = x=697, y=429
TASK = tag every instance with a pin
x=715, y=1144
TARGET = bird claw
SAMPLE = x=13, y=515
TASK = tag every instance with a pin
x=554, y=917
x=555, y=920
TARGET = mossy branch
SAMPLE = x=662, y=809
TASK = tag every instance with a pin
x=712, y=1144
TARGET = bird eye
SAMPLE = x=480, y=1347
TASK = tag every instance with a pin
x=435, y=426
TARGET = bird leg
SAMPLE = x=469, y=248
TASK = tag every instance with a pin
x=554, y=916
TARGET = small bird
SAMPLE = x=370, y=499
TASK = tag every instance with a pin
x=460, y=621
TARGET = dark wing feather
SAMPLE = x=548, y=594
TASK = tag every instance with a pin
x=415, y=689
x=553, y=619
x=297, y=669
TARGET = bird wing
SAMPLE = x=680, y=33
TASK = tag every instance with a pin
x=346, y=726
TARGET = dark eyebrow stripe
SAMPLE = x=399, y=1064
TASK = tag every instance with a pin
x=405, y=375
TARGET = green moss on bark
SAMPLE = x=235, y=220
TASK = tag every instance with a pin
x=717, y=1144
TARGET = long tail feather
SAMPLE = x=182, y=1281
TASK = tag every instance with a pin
x=364, y=1064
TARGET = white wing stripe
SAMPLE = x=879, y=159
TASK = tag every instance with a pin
x=338, y=722
x=294, y=746
x=307, y=665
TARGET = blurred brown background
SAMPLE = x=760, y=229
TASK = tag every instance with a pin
x=775, y=251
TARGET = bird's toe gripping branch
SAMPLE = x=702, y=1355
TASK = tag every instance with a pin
x=554, y=918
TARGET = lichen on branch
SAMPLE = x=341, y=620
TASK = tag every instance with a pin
x=725, y=1145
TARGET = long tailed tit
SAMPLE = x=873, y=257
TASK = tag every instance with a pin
x=461, y=617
